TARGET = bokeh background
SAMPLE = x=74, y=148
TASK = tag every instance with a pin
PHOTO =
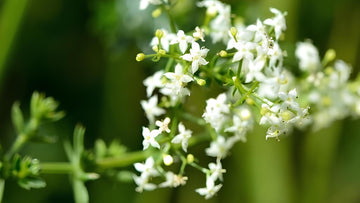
x=83, y=53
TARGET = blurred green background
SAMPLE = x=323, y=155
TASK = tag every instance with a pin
x=82, y=53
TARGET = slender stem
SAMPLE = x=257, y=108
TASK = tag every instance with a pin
x=242, y=99
x=19, y=142
x=124, y=160
x=171, y=20
x=56, y=168
x=2, y=187
x=192, y=118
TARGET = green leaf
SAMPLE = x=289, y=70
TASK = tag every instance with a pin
x=79, y=133
x=80, y=192
x=17, y=117
x=31, y=182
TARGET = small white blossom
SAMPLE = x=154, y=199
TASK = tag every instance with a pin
x=183, y=40
x=153, y=82
x=216, y=170
x=216, y=111
x=149, y=138
x=259, y=31
x=196, y=56
x=143, y=184
x=165, y=40
x=308, y=56
x=210, y=190
x=151, y=109
x=147, y=169
x=278, y=22
x=163, y=125
x=255, y=71
x=244, y=51
x=183, y=137
x=173, y=180
x=220, y=147
x=145, y=3
x=199, y=34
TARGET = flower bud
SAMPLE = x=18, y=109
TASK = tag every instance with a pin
x=162, y=51
x=168, y=160
x=159, y=33
x=222, y=53
x=140, y=57
x=190, y=158
x=330, y=55
x=200, y=82
x=156, y=13
x=233, y=31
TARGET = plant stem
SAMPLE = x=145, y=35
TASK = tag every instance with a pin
x=124, y=160
x=171, y=20
x=56, y=168
x=2, y=187
x=21, y=139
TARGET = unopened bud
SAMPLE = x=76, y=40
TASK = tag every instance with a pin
x=155, y=48
x=233, y=31
x=200, y=82
x=330, y=55
x=162, y=52
x=190, y=158
x=223, y=53
x=156, y=13
x=140, y=57
x=159, y=33
x=250, y=101
x=168, y=160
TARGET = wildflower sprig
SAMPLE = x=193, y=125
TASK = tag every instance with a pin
x=256, y=89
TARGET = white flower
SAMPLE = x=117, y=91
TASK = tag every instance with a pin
x=244, y=51
x=165, y=40
x=147, y=169
x=308, y=55
x=182, y=137
x=220, y=147
x=163, y=125
x=259, y=31
x=216, y=110
x=173, y=180
x=197, y=56
x=183, y=40
x=151, y=109
x=153, y=82
x=241, y=124
x=216, y=170
x=210, y=190
x=199, y=34
x=254, y=71
x=149, y=138
x=278, y=22
x=178, y=79
x=145, y=3
x=143, y=184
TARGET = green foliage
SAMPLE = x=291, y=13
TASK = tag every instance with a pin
x=26, y=171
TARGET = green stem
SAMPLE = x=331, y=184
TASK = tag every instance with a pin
x=2, y=187
x=247, y=94
x=194, y=119
x=19, y=142
x=124, y=160
x=56, y=168
x=171, y=20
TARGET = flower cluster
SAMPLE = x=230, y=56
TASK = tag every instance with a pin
x=258, y=90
